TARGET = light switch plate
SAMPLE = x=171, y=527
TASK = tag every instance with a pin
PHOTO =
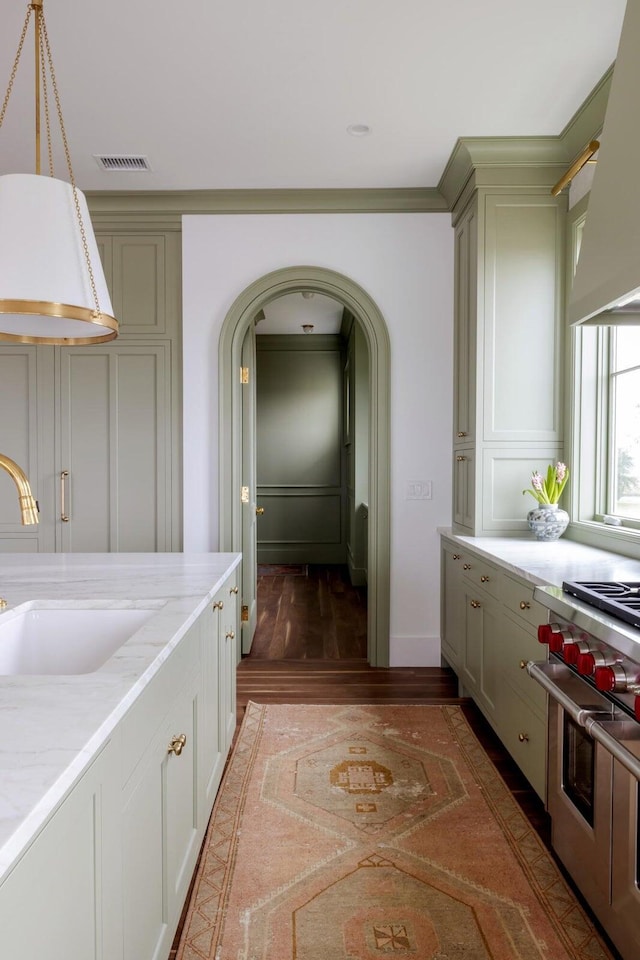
x=419, y=490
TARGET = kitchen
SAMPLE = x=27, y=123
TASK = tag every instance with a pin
x=267, y=240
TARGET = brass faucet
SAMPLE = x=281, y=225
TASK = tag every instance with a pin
x=28, y=506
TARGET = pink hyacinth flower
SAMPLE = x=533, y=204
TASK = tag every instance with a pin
x=561, y=471
x=536, y=481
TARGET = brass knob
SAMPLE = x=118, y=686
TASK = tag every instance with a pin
x=230, y=635
x=523, y=664
x=466, y=566
x=523, y=737
x=3, y=603
x=217, y=605
x=484, y=579
x=525, y=605
x=259, y=511
x=462, y=433
x=460, y=459
x=177, y=744
x=233, y=590
x=456, y=556
x=475, y=604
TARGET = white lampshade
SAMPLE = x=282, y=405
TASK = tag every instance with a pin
x=45, y=286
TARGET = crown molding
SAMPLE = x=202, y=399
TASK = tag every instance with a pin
x=166, y=206
x=523, y=161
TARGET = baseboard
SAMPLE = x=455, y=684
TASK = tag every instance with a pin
x=414, y=652
x=357, y=575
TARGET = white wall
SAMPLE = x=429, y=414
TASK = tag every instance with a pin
x=405, y=263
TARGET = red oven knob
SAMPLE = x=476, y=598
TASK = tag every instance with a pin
x=546, y=631
x=585, y=664
x=605, y=679
x=553, y=635
x=572, y=650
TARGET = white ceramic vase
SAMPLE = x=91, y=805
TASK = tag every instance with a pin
x=548, y=521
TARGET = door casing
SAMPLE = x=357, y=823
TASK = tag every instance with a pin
x=241, y=314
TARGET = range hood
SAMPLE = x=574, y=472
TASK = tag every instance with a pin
x=606, y=287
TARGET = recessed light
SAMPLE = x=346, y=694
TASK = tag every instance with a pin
x=358, y=129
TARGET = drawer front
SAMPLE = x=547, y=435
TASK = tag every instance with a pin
x=481, y=574
x=517, y=596
x=524, y=734
x=519, y=646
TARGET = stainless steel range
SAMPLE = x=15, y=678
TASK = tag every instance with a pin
x=593, y=681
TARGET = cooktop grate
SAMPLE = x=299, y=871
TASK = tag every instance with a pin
x=621, y=599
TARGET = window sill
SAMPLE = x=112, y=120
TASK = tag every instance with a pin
x=622, y=540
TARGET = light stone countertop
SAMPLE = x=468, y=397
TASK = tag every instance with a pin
x=53, y=726
x=548, y=564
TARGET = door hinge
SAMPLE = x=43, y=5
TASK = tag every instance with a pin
x=244, y=495
x=245, y=613
x=244, y=374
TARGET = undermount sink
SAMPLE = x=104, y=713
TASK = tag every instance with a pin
x=46, y=640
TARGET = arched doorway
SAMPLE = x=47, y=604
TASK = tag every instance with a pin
x=237, y=321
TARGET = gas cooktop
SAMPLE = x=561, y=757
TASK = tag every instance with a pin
x=617, y=598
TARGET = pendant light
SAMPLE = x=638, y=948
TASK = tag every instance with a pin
x=52, y=285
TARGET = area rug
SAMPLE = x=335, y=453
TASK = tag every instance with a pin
x=368, y=832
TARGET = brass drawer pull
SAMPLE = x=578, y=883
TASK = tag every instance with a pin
x=523, y=664
x=462, y=433
x=217, y=605
x=230, y=635
x=466, y=566
x=484, y=579
x=233, y=590
x=475, y=604
x=177, y=744
x=523, y=737
x=64, y=516
x=460, y=459
x=456, y=556
x=525, y=605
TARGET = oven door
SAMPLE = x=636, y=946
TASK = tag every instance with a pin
x=624, y=922
x=579, y=801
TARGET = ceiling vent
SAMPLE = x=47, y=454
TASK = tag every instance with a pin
x=124, y=164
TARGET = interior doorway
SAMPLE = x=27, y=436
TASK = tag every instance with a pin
x=236, y=420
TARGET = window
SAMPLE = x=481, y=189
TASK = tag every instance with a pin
x=623, y=455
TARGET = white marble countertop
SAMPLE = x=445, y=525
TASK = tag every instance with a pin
x=53, y=726
x=549, y=563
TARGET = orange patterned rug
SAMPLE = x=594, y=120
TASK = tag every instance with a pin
x=369, y=832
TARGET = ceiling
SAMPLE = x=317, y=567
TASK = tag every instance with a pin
x=221, y=94
x=287, y=314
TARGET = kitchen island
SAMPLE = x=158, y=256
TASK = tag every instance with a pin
x=122, y=725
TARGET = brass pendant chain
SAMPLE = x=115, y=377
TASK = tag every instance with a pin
x=15, y=65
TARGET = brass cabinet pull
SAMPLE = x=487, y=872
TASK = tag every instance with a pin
x=475, y=604
x=63, y=512
x=523, y=737
x=3, y=603
x=217, y=605
x=462, y=433
x=233, y=590
x=466, y=566
x=525, y=605
x=523, y=664
x=177, y=744
x=259, y=511
x=230, y=635
x=484, y=579
x=456, y=556
x=460, y=459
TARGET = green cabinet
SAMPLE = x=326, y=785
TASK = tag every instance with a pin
x=96, y=427
x=509, y=272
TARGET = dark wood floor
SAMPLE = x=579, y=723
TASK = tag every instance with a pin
x=309, y=612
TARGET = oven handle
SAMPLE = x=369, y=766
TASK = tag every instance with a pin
x=543, y=673
x=612, y=745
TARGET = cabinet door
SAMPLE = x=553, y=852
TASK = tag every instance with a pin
x=160, y=835
x=27, y=436
x=227, y=666
x=211, y=746
x=453, y=625
x=465, y=307
x=464, y=488
x=481, y=648
x=115, y=444
x=61, y=900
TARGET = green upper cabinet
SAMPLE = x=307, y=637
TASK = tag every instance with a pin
x=509, y=282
